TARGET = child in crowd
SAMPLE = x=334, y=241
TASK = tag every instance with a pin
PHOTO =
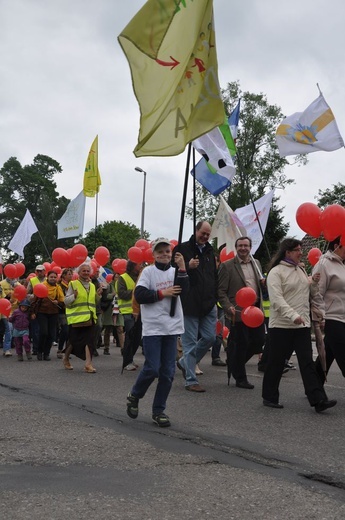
x=20, y=320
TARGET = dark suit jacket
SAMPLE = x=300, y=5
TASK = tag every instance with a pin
x=231, y=280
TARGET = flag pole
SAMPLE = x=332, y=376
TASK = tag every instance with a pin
x=45, y=247
x=96, y=216
x=252, y=202
x=183, y=210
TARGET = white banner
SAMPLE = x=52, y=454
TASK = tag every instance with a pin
x=227, y=226
x=23, y=235
x=71, y=224
x=249, y=219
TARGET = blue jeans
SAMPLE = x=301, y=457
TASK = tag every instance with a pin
x=160, y=358
x=194, y=349
x=7, y=335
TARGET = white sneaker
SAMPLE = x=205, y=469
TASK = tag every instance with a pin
x=54, y=344
x=130, y=367
x=8, y=353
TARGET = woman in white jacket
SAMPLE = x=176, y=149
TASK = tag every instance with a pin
x=331, y=269
x=289, y=291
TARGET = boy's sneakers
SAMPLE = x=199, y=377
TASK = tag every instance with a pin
x=161, y=419
x=20, y=357
x=29, y=356
x=131, y=367
x=132, y=406
x=8, y=353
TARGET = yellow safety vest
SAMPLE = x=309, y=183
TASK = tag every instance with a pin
x=266, y=308
x=35, y=280
x=125, y=306
x=84, y=306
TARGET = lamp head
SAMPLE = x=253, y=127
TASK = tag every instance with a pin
x=139, y=169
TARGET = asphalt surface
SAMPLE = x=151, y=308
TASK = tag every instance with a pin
x=68, y=450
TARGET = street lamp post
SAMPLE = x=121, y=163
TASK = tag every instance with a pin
x=143, y=203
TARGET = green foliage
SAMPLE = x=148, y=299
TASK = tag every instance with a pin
x=332, y=196
x=117, y=236
x=31, y=187
x=259, y=166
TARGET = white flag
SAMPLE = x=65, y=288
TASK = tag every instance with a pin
x=249, y=217
x=227, y=226
x=313, y=130
x=23, y=235
x=71, y=224
x=213, y=148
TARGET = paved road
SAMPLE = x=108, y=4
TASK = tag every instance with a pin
x=69, y=451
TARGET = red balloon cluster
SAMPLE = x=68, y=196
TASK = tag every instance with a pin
x=67, y=258
x=14, y=270
x=119, y=265
x=330, y=222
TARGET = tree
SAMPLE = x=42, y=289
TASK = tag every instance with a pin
x=259, y=166
x=115, y=235
x=31, y=187
x=332, y=196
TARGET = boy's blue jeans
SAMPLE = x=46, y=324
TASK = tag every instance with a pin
x=160, y=358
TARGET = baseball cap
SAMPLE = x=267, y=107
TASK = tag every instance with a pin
x=159, y=241
x=24, y=303
x=40, y=268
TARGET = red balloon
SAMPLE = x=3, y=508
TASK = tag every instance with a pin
x=121, y=266
x=60, y=257
x=20, y=269
x=219, y=327
x=142, y=244
x=252, y=316
x=314, y=255
x=109, y=277
x=245, y=297
x=5, y=307
x=47, y=266
x=332, y=221
x=75, y=276
x=223, y=255
x=78, y=254
x=10, y=271
x=40, y=290
x=31, y=275
x=135, y=255
x=114, y=263
x=56, y=268
x=308, y=218
x=148, y=256
x=173, y=243
x=102, y=255
x=19, y=292
x=94, y=266
x=225, y=332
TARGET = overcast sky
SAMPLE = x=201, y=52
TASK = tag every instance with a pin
x=64, y=79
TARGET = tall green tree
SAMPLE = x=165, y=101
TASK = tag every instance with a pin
x=259, y=166
x=115, y=235
x=31, y=187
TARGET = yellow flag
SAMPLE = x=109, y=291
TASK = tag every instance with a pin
x=171, y=50
x=92, y=178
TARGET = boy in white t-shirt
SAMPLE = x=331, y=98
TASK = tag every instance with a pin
x=154, y=291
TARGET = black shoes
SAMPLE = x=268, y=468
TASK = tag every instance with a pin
x=324, y=404
x=271, y=404
x=161, y=420
x=244, y=384
x=132, y=406
x=217, y=362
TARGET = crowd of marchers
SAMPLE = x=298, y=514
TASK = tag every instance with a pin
x=172, y=309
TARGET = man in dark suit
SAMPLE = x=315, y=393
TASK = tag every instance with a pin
x=243, y=342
